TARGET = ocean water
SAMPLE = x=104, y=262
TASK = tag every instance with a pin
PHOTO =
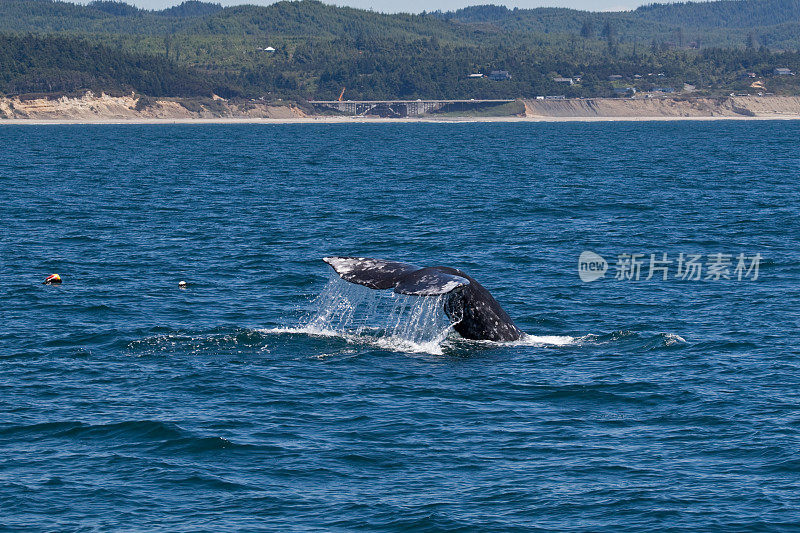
x=269, y=395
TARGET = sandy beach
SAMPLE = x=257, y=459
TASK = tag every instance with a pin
x=378, y=120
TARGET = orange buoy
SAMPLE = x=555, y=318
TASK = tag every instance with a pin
x=53, y=279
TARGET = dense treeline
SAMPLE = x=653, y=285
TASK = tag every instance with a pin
x=292, y=19
x=775, y=23
x=716, y=14
x=724, y=14
x=64, y=65
x=720, y=23
x=428, y=69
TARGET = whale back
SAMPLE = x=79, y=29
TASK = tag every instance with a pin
x=476, y=314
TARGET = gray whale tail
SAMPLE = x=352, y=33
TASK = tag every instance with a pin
x=471, y=308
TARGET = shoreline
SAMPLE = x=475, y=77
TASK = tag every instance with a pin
x=378, y=120
x=105, y=109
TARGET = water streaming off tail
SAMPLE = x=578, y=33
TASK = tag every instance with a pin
x=393, y=320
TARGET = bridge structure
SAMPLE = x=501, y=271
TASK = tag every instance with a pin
x=403, y=108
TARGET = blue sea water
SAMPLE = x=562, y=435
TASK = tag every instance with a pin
x=239, y=404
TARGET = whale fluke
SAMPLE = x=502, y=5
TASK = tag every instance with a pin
x=429, y=282
x=474, y=312
x=372, y=273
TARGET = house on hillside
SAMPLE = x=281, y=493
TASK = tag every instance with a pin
x=499, y=75
x=564, y=80
x=783, y=72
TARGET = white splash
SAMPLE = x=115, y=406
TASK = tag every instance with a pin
x=383, y=318
x=544, y=340
x=673, y=338
x=389, y=320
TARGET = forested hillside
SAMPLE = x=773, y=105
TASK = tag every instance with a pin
x=750, y=14
x=720, y=23
x=316, y=50
x=296, y=20
x=725, y=22
x=64, y=65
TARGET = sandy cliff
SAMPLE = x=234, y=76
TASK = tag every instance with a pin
x=744, y=106
x=91, y=107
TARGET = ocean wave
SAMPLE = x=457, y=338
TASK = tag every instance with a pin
x=665, y=340
x=208, y=481
x=165, y=436
x=126, y=431
x=199, y=444
x=442, y=342
x=639, y=340
x=438, y=346
x=439, y=340
x=137, y=430
x=199, y=343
